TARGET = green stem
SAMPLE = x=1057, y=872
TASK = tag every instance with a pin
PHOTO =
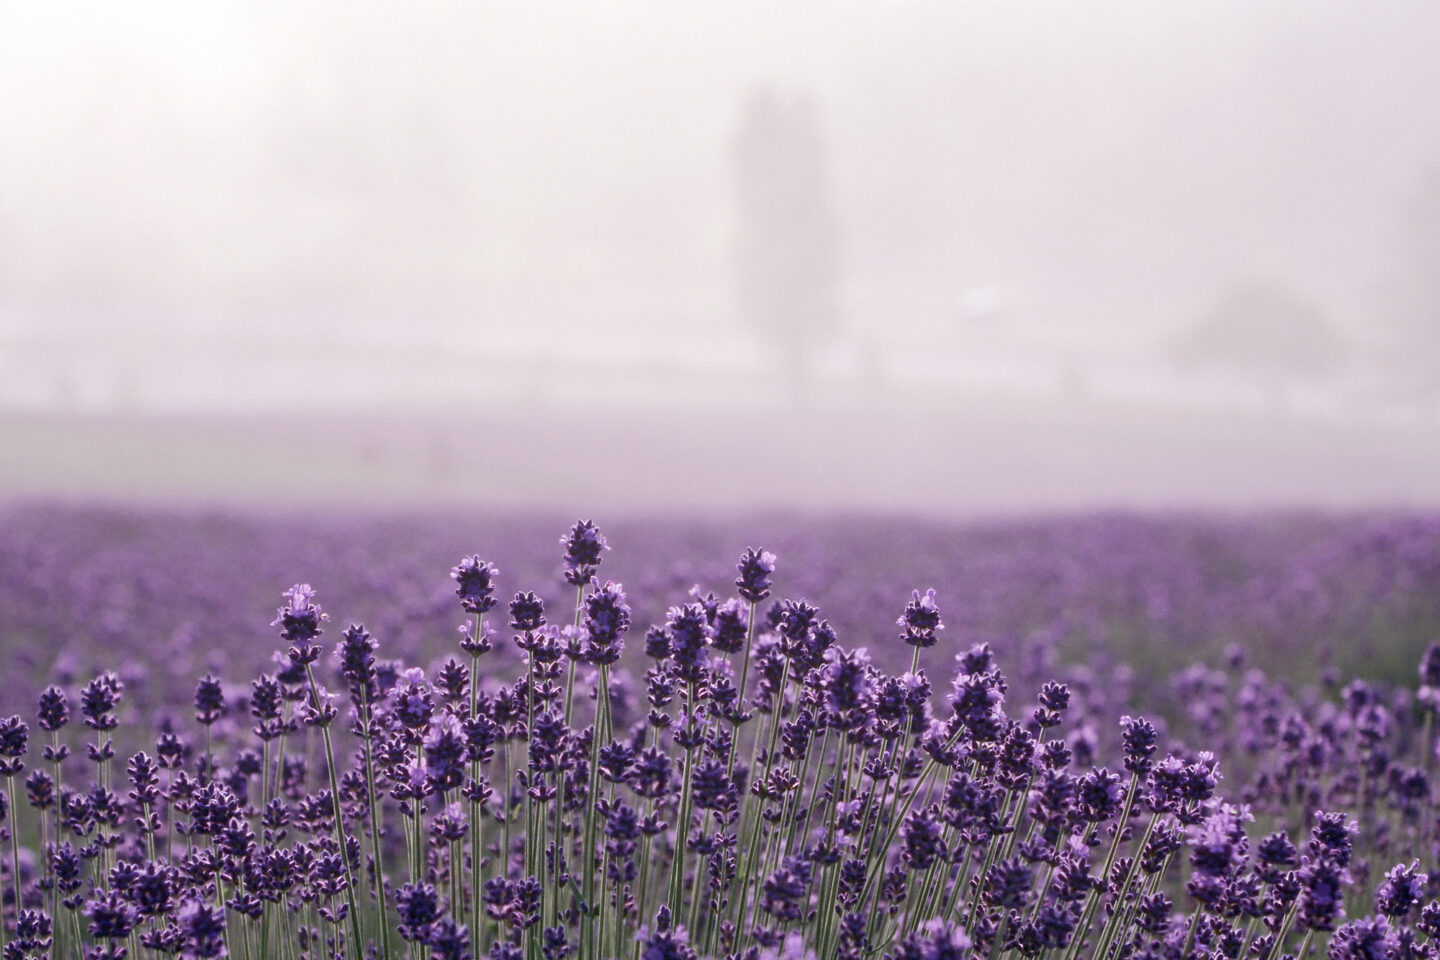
x=358, y=946
x=740, y=691
x=877, y=851
x=682, y=824
x=1092, y=899
x=476, y=847
x=754, y=819
x=14, y=857
x=375, y=828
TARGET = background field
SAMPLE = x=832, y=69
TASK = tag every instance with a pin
x=1125, y=599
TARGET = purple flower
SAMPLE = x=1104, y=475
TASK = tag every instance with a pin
x=921, y=620
x=98, y=701
x=527, y=612
x=943, y=940
x=1212, y=846
x=785, y=891
x=111, y=916
x=1274, y=855
x=445, y=753
x=607, y=617
x=976, y=700
x=1322, y=898
x=14, y=735
x=1333, y=837
x=791, y=948
x=1054, y=699
x=475, y=584
x=978, y=659
x=730, y=626
x=453, y=682
x=476, y=644
x=689, y=636
x=203, y=929
x=1009, y=883
x=33, y=933
x=1429, y=921
x=846, y=685
x=54, y=709
x=40, y=789
x=448, y=940
x=418, y=906
x=923, y=844
x=1140, y=739
x=1152, y=914
x=712, y=787
x=755, y=568
x=299, y=620
x=411, y=701
x=1369, y=939
x=356, y=653
x=583, y=545
x=798, y=621
x=209, y=700
x=152, y=890
x=1402, y=891
x=1099, y=794
x=666, y=943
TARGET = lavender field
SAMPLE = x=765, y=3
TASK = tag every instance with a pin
x=864, y=480
x=1113, y=736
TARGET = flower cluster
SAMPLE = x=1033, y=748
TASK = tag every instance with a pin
x=742, y=782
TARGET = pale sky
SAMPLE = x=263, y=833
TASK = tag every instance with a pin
x=526, y=217
x=1105, y=164
x=1100, y=161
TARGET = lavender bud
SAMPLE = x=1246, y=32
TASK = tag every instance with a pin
x=921, y=620
x=527, y=612
x=209, y=700
x=583, y=545
x=54, y=709
x=475, y=584
x=755, y=568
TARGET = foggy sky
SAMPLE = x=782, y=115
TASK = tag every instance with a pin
x=1106, y=166
x=451, y=252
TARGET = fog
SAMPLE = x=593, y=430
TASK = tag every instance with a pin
x=921, y=256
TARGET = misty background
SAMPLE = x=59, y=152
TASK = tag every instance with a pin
x=938, y=257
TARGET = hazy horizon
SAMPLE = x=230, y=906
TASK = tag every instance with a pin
x=1202, y=210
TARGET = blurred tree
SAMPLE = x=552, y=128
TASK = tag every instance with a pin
x=787, y=260
x=1263, y=330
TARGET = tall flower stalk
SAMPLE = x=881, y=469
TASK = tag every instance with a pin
x=753, y=785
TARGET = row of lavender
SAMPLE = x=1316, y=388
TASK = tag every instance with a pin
x=742, y=783
x=89, y=590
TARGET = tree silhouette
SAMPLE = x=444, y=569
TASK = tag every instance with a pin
x=787, y=263
x=1265, y=331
